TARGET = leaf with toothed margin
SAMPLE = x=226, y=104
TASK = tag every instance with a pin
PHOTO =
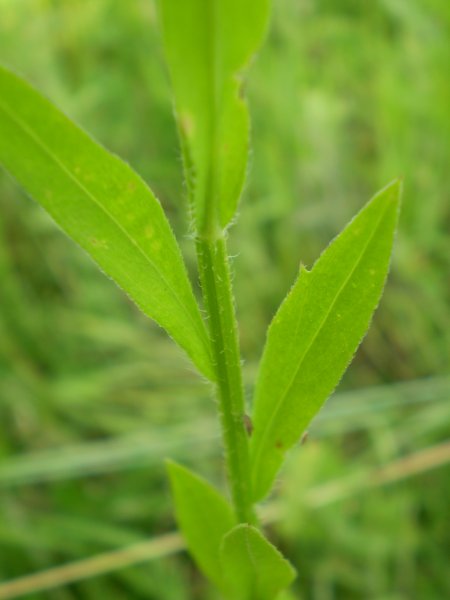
x=105, y=207
x=316, y=332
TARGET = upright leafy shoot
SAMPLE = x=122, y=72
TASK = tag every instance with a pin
x=316, y=332
x=208, y=45
x=252, y=567
x=104, y=206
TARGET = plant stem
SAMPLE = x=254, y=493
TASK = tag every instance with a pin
x=217, y=292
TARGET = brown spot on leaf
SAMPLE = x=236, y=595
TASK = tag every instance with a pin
x=248, y=424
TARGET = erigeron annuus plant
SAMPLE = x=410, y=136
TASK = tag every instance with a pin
x=110, y=212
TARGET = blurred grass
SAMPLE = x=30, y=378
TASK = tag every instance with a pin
x=345, y=96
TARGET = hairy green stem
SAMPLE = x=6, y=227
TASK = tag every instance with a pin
x=217, y=292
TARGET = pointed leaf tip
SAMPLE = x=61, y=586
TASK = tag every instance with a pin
x=316, y=331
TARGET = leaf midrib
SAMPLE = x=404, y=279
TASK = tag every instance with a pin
x=253, y=561
x=319, y=329
x=89, y=194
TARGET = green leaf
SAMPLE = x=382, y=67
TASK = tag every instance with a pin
x=316, y=332
x=203, y=516
x=209, y=43
x=253, y=568
x=104, y=206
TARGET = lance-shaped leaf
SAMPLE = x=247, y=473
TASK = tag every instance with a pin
x=203, y=516
x=208, y=45
x=317, y=330
x=253, y=568
x=104, y=206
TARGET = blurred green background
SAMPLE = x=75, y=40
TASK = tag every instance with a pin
x=345, y=96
